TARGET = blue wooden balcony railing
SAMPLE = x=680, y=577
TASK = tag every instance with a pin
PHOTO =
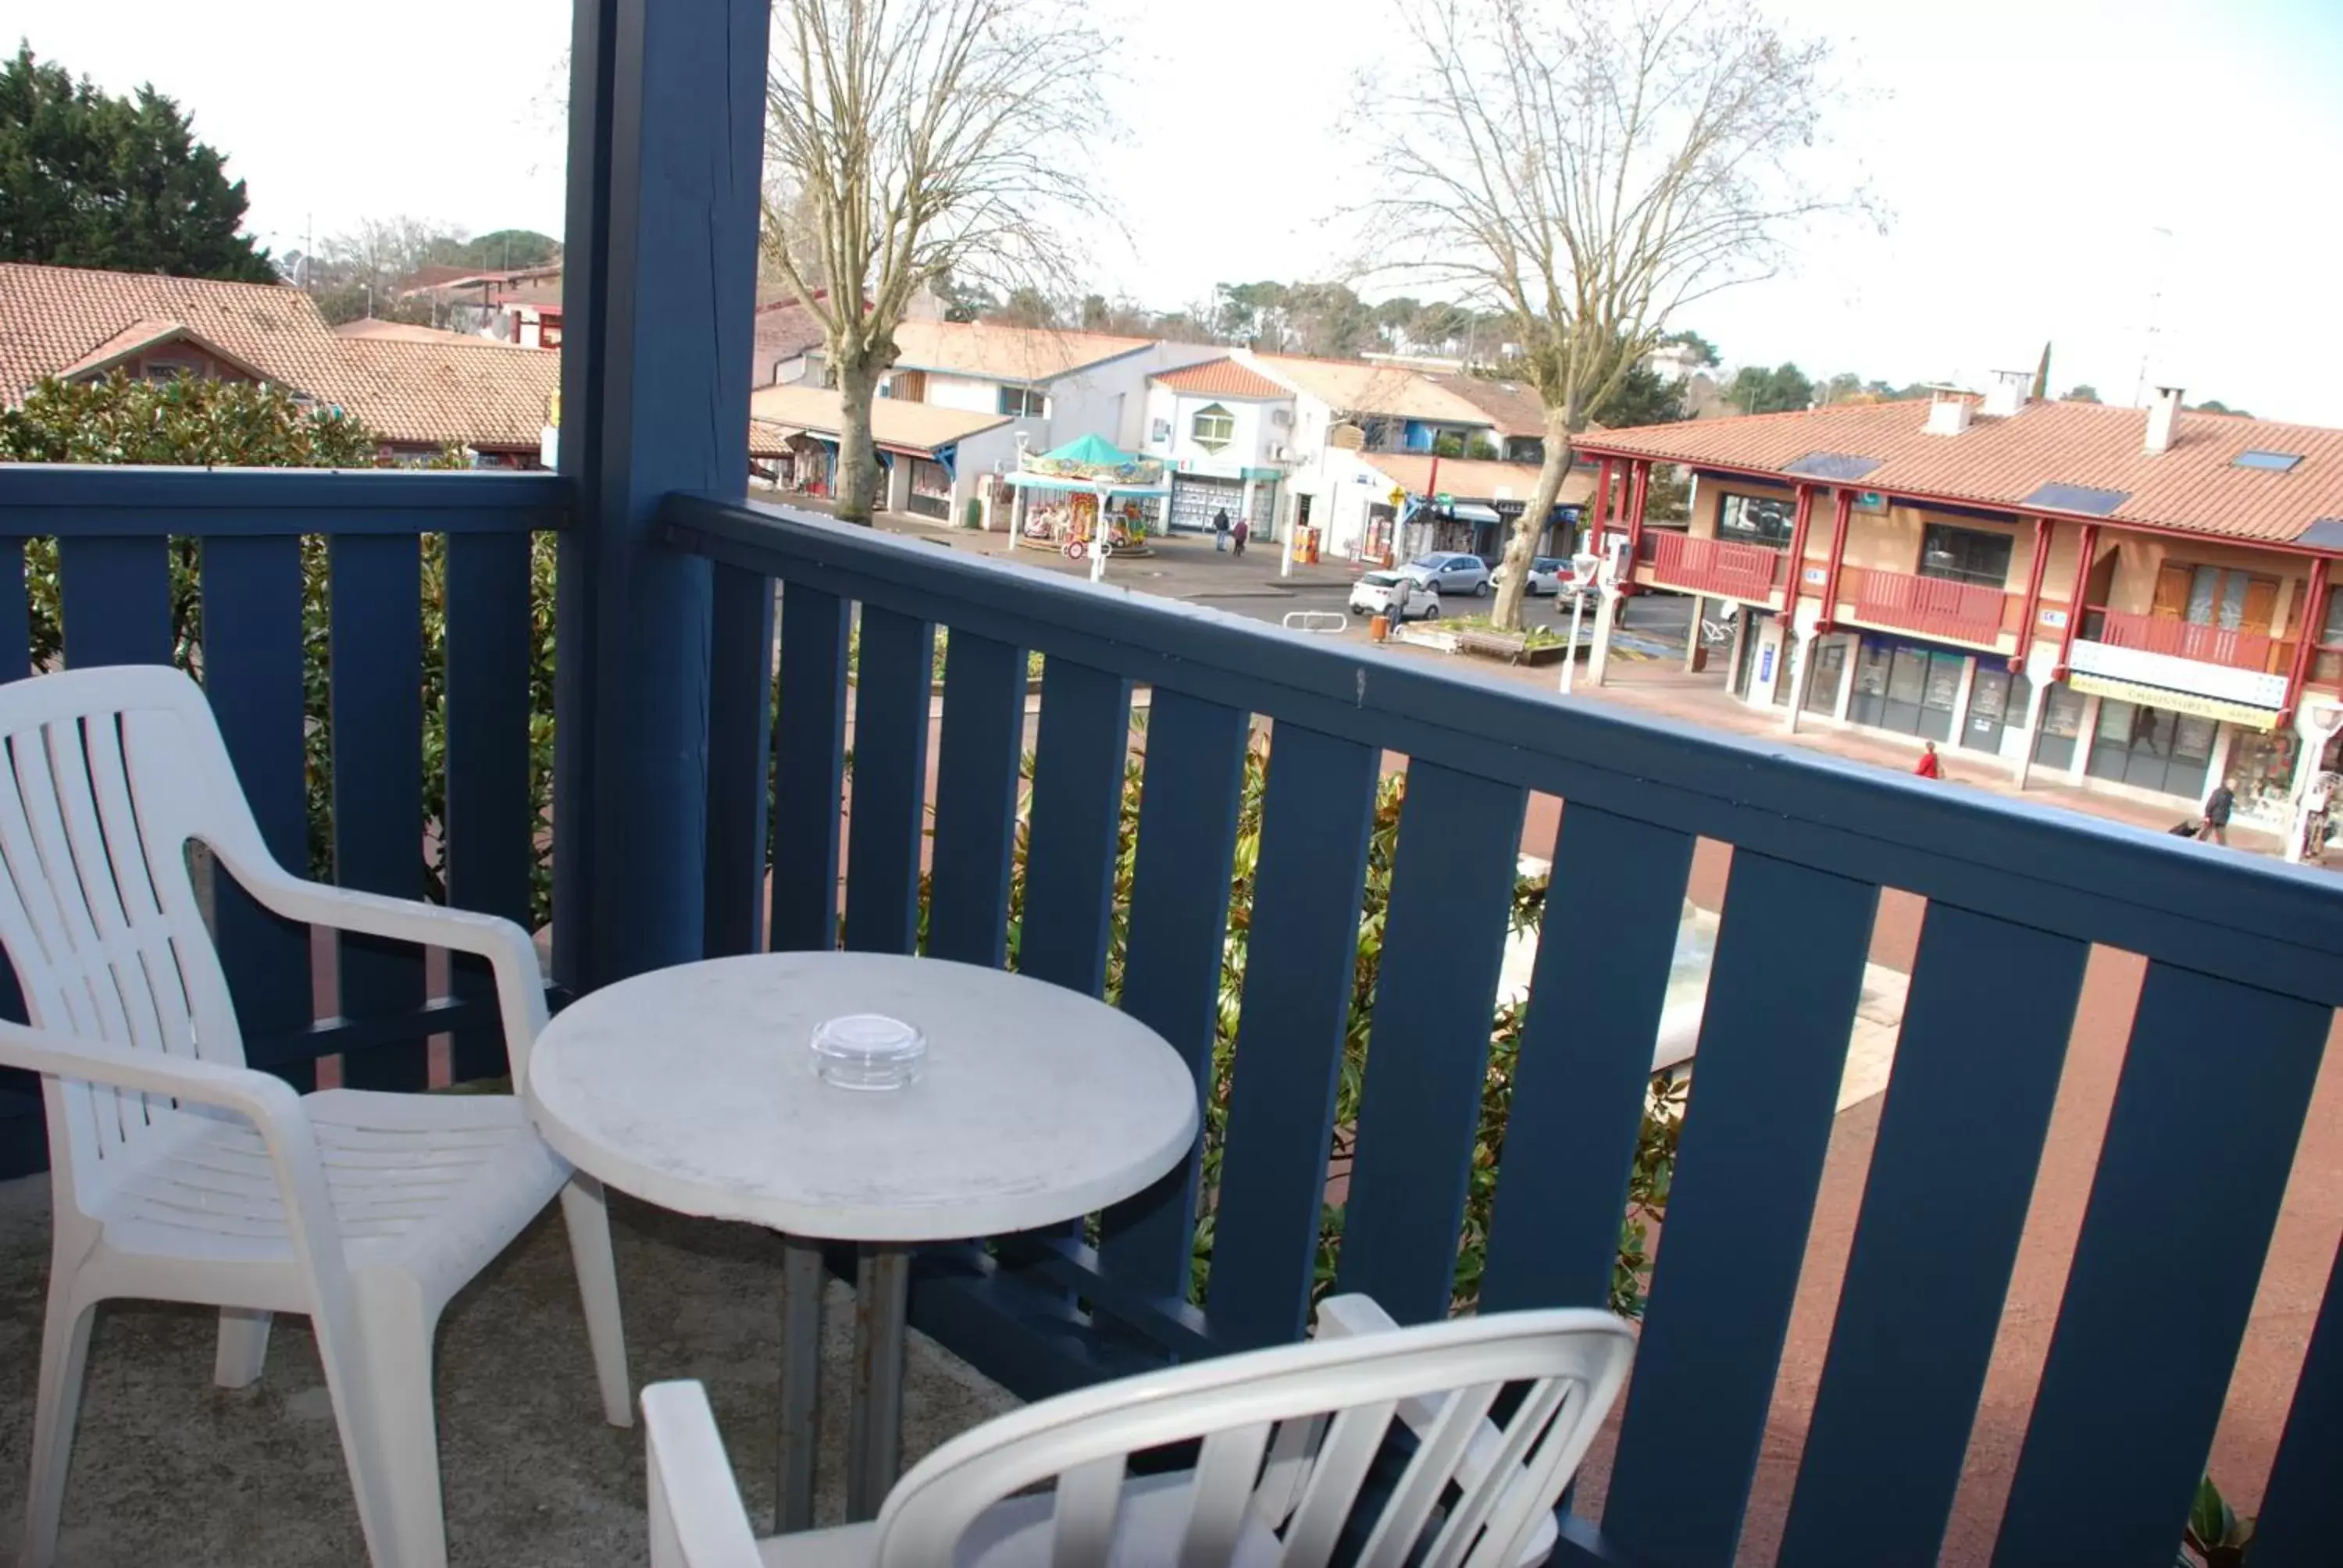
x=2242, y=978
x=116, y=530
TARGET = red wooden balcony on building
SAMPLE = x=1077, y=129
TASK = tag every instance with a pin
x=1932, y=606
x=2233, y=648
x=1718, y=566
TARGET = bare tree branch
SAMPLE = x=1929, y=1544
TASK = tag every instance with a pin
x=912, y=141
x=1590, y=166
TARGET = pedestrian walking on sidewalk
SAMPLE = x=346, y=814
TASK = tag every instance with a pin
x=1221, y=529
x=2218, y=807
x=1238, y=533
x=1930, y=768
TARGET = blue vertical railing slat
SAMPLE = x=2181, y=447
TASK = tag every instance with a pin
x=1782, y=994
x=1952, y=1173
x=1608, y=935
x=1189, y=805
x=1079, y=753
x=2301, y=1516
x=491, y=828
x=2216, y=1085
x=114, y=600
x=23, y=1131
x=1428, y=1049
x=808, y=765
x=1302, y=953
x=740, y=756
x=977, y=754
x=374, y=596
x=887, y=812
x=253, y=657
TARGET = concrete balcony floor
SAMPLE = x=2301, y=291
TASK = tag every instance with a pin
x=170, y=1470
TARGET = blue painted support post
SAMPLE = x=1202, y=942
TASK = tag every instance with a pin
x=1584, y=1064
x=492, y=824
x=2302, y=1507
x=1428, y=1052
x=1317, y=812
x=667, y=104
x=740, y=761
x=252, y=674
x=2163, y=1280
x=1952, y=1173
x=1188, y=809
x=24, y=1132
x=1782, y=994
x=978, y=747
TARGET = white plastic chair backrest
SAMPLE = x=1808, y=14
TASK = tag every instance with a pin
x=1288, y=1435
x=105, y=774
x=697, y=1520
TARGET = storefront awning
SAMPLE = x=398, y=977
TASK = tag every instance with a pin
x=1472, y=512
x=2238, y=713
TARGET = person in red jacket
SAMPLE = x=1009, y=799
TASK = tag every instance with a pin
x=1929, y=767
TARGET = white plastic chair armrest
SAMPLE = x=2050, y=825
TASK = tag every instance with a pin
x=1354, y=1316
x=695, y=1517
x=270, y=1104
x=512, y=957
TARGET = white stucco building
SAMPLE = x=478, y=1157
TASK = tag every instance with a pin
x=1226, y=432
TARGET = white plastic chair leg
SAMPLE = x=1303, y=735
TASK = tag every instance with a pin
x=399, y=1448
x=57, y=1409
x=243, y=1347
x=586, y=1211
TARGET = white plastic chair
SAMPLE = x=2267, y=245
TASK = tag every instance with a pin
x=1288, y=1434
x=179, y=1174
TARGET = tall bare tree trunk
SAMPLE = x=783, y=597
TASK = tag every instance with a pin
x=858, y=464
x=1506, y=613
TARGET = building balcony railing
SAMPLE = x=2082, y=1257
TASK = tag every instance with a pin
x=1724, y=568
x=1932, y=606
x=873, y=807
x=2231, y=647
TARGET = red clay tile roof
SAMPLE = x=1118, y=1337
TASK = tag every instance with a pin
x=1356, y=386
x=786, y=330
x=993, y=351
x=408, y=332
x=467, y=391
x=140, y=336
x=1513, y=405
x=1999, y=462
x=1223, y=378
x=1471, y=480
x=53, y=316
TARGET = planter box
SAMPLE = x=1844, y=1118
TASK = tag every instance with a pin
x=1509, y=646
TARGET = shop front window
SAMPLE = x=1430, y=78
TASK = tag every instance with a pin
x=2263, y=766
x=2152, y=748
x=1911, y=690
x=1829, y=675
x=2062, y=727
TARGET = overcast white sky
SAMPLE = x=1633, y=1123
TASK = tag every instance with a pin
x=2029, y=152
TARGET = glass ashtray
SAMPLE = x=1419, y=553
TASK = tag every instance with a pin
x=868, y=1050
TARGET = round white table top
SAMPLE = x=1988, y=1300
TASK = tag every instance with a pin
x=694, y=1088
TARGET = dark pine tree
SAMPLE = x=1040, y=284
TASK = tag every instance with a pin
x=88, y=179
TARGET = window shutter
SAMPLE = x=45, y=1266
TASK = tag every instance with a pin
x=2171, y=592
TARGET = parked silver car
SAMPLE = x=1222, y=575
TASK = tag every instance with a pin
x=1450, y=572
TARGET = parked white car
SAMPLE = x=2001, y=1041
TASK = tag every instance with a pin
x=1451, y=571
x=1395, y=594
x=1547, y=574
